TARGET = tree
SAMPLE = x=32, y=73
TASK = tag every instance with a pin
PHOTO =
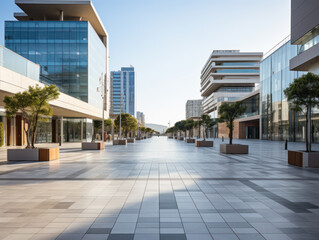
x=228, y=113
x=189, y=126
x=128, y=122
x=303, y=93
x=198, y=124
x=97, y=125
x=33, y=105
x=207, y=124
x=180, y=126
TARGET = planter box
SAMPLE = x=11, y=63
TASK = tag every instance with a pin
x=181, y=138
x=93, y=146
x=23, y=154
x=190, y=140
x=303, y=159
x=137, y=139
x=120, y=142
x=49, y=154
x=204, y=143
x=131, y=140
x=234, y=148
x=170, y=137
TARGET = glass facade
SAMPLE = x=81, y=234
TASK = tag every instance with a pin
x=252, y=106
x=123, y=83
x=70, y=53
x=279, y=121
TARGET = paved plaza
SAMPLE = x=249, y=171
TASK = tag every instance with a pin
x=161, y=189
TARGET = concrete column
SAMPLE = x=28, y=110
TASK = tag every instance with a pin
x=61, y=16
x=61, y=129
x=82, y=131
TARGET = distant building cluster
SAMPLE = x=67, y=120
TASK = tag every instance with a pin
x=258, y=81
x=140, y=116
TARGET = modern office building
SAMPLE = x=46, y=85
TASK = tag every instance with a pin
x=68, y=40
x=72, y=118
x=279, y=121
x=305, y=34
x=123, y=91
x=229, y=76
x=62, y=43
x=194, y=109
x=140, y=116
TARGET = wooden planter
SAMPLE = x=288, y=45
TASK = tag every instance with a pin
x=36, y=154
x=49, y=154
x=234, y=149
x=303, y=159
x=190, y=140
x=131, y=140
x=93, y=146
x=120, y=142
x=204, y=143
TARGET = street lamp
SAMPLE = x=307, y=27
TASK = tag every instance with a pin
x=101, y=89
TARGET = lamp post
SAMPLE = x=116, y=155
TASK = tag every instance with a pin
x=101, y=89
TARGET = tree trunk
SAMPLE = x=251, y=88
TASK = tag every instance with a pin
x=231, y=133
x=308, y=129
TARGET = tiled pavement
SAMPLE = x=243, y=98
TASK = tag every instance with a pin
x=161, y=189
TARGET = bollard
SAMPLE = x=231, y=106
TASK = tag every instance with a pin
x=222, y=138
x=286, y=144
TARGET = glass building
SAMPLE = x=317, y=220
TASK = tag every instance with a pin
x=71, y=54
x=123, y=91
x=279, y=121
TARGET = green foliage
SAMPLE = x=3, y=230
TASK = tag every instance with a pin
x=207, y=123
x=190, y=124
x=1, y=134
x=303, y=93
x=128, y=123
x=34, y=106
x=228, y=113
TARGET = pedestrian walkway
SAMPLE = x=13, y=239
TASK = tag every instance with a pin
x=161, y=189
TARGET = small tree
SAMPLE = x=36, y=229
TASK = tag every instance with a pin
x=1, y=134
x=207, y=124
x=33, y=105
x=303, y=93
x=97, y=125
x=189, y=126
x=180, y=126
x=228, y=113
x=127, y=123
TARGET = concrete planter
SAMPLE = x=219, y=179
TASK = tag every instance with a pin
x=23, y=154
x=234, y=149
x=36, y=154
x=131, y=140
x=93, y=146
x=190, y=140
x=120, y=142
x=303, y=159
x=204, y=143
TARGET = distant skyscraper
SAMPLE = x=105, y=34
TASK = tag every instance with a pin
x=140, y=118
x=123, y=84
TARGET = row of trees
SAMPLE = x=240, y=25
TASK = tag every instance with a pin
x=129, y=126
x=227, y=113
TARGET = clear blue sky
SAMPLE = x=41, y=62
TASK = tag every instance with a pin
x=169, y=41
